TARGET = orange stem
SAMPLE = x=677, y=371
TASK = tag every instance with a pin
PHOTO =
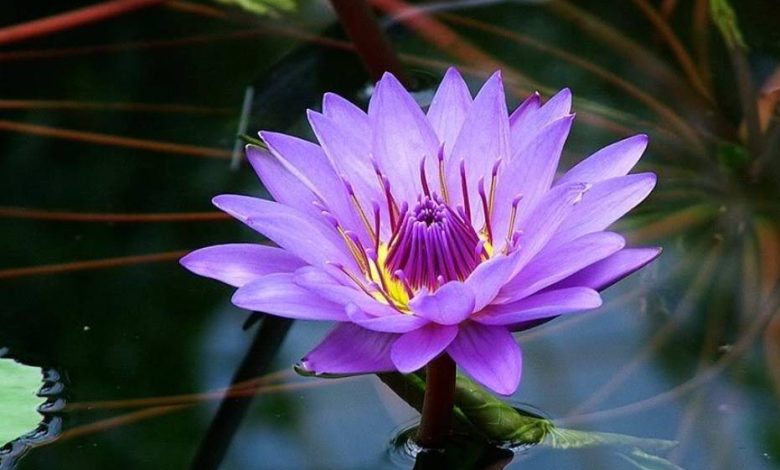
x=12, y=273
x=64, y=216
x=113, y=106
x=114, y=140
x=71, y=19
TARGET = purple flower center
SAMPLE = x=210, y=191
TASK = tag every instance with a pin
x=432, y=244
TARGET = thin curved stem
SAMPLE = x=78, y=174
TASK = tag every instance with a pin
x=71, y=19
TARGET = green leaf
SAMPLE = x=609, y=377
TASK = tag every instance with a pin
x=484, y=416
x=558, y=438
x=645, y=461
x=262, y=7
x=726, y=20
x=19, y=385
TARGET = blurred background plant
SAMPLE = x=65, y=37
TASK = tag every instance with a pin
x=119, y=122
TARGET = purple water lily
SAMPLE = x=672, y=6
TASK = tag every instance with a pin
x=430, y=233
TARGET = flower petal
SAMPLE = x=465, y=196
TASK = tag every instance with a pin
x=347, y=116
x=277, y=294
x=603, y=204
x=542, y=305
x=552, y=265
x=350, y=349
x=450, y=304
x=308, y=238
x=517, y=119
x=489, y=277
x=610, y=270
x=283, y=185
x=239, y=263
x=449, y=108
x=613, y=160
x=544, y=221
x=490, y=355
x=396, y=323
x=530, y=173
x=417, y=348
x=483, y=139
x=310, y=164
x=526, y=125
x=328, y=287
x=402, y=136
x=349, y=154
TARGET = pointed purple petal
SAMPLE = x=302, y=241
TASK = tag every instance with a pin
x=449, y=108
x=350, y=349
x=542, y=224
x=349, y=154
x=308, y=238
x=347, y=116
x=239, y=263
x=490, y=355
x=603, y=204
x=310, y=164
x=613, y=160
x=524, y=111
x=282, y=184
x=484, y=139
x=603, y=274
x=277, y=294
x=524, y=127
x=530, y=173
x=541, y=305
x=396, y=323
x=402, y=136
x=449, y=305
x=417, y=348
x=552, y=265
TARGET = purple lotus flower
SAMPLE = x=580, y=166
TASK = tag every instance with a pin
x=429, y=233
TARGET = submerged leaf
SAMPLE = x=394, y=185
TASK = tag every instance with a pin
x=645, y=461
x=558, y=438
x=19, y=385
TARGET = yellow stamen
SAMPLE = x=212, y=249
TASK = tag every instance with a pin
x=366, y=222
x=357, y=253
x=443, y=182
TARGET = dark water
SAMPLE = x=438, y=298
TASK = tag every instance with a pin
x=687, y=350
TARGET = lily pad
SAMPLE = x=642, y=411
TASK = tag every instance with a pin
x=19, y=385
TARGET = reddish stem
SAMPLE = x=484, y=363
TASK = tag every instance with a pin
x=439, y=398
x=371, y=44
x=71, y=19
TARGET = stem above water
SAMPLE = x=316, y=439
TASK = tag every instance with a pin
x=436, y=421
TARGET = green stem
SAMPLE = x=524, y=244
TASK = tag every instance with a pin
x=436, y=421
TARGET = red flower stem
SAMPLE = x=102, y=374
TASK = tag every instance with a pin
x=439, y=398
x=370, y=42
x=70, y=19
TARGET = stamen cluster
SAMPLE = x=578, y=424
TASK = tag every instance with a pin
x=433, y=245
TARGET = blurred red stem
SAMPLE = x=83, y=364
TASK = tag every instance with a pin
x=71, y=19
x=370, y=42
